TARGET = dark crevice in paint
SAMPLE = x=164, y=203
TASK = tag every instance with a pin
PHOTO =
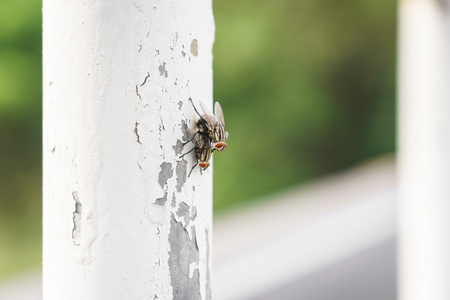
x=76, y=232
x=145, y=79
x=162, y=200
x=183, y=252
x=136, y=132
x=137, y=92
x=181, y=170
x=165, y=173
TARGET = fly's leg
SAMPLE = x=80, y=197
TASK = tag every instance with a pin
x=188, y=152
x=193, y=168
x=190, y=140
x=192, y=102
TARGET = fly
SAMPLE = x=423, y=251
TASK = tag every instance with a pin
x=212, y=126
x=216, y=124
x=202, y=148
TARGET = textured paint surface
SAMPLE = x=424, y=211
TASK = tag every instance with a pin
x=121, y=217
x=165, y=173
x=183, y=253
x=76, y=219
x=181, y=171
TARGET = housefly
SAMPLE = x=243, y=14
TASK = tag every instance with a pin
x=202, y=148
x=212, y=126
x=216, y=126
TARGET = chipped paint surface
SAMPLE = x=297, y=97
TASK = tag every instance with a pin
x=162, y=70
x=120, y=214
x=183, y=252
x=162, y=200
x=165, y=173
x=178, y=147
x=76, y=231
x=181, y=170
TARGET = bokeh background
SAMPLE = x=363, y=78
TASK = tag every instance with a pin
x=307, y=87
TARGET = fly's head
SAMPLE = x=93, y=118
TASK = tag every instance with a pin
x=204, y=165
x=220, y=146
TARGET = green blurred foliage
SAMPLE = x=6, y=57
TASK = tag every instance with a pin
x=307, y=88
x=20, y=135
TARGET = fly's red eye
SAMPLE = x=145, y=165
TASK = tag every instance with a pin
x=220, y=146
x=203, y=165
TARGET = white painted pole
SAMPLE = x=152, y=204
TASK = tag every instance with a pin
x=424, y=149
x=121, y=218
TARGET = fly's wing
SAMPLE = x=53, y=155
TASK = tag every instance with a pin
x=193, y=137
x=207, y=115
x=219, y=113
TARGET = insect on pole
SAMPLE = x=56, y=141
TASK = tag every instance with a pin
x=121, y=218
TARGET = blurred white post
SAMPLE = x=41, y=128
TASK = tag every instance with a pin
x=424, y=149
x=121, y=218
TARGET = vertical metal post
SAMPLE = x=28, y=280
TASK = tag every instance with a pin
x=121, y=218
x=424, y=149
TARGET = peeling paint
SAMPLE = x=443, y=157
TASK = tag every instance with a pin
x=194, y=238
x=181, y=170
x=193, y=213
x=183, y=211
x=184, y=130
x=183, y=252
x=162, y=200
x=178, y=148
x=162, y=70
x=194, y=47
x=165, y=173
x=76, y=232
x=174, y=200
x=180, y=104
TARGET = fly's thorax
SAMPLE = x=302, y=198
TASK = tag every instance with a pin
x=202, y=126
